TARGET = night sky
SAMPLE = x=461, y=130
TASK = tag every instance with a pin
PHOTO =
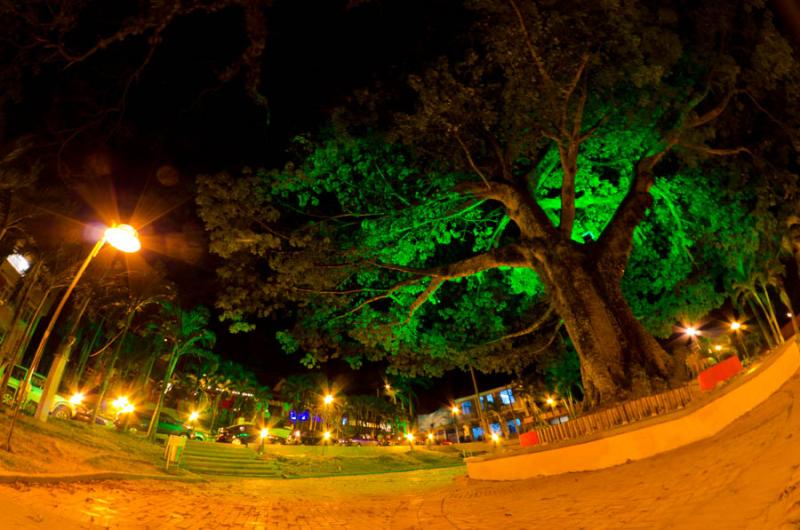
x=175, y=118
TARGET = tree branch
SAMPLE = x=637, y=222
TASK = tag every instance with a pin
x=423, y=297
x=471, y=161
x=529, y=43
x=615, y=243
x=530, y=329
x=520, y=206
x=715, y=151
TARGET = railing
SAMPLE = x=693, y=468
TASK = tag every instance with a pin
x=622, y=414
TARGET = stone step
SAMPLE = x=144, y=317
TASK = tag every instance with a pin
x=243, y=459
x=249, y=473
x=229, y=467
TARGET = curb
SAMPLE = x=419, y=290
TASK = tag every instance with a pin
x=91, y=477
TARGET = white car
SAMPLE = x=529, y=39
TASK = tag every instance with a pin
x=63, y=408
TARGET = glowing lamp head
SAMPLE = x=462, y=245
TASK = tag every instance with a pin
x=120, y=402
x=495, y=437
x=410, y=437
x=127, y=408
x=194, y=415
x=735, y=326
x=76, y=398
x=430, y=436
x=326, y=435
x=718, y=348
x=264, y=433
x=691, y=331
x=550, y=401
x=328, y=399
x=124, y=238
x=454, y=410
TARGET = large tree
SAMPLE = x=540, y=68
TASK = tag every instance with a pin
x=554, y=140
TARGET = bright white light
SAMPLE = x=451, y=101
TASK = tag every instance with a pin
x=328, y=399
x=76, y=398
x=124, y=238
x=692, y=332
x=19, y=262
x=264, y=433
x=735, y=325
x=194, y=415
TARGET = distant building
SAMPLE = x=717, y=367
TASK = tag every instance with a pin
x=505, y=413
x=12, y=272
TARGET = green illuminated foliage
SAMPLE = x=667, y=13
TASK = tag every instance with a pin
x=562, y=172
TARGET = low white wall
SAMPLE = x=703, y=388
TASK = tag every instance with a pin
x=649, y=440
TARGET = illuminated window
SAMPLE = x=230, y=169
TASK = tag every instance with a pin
x=19, y=262
x=466, y=408
x=506, y=396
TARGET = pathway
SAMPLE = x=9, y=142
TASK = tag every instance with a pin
x=745, y=477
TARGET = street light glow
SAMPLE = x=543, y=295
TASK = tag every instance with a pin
x=454, y=410
x=328, y=399
x=264, y=433
x=123, y=237
x=495, y=437
x=194, y=415
x=735, y=326
x=76, y=398
x=410, y=437
x=550, y=401
x=691, y=331
x=326, y=435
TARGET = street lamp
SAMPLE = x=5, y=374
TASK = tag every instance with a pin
x=263, y=435
x=120, y=236
x=737, y=328
x=552, y=402
x=455, y=411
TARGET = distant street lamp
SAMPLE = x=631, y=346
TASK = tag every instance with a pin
x=454, y=410
x=122, y=237
x=263, y=435
x=737, y=328
x=552, y=402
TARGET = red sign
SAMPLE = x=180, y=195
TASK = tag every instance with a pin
x=722, y=371
x=529, y=438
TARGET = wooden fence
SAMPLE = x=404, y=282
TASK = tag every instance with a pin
x=622, y=414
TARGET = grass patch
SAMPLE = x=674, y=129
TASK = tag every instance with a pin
x=64, y=446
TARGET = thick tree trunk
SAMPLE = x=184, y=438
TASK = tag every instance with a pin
x=619, y=358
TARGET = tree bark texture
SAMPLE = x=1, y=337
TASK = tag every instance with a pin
x=619, y=358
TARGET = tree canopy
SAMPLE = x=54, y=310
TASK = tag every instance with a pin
x=591, y=169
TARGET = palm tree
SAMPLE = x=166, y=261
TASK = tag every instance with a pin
x=187, y=333
x=128, y=308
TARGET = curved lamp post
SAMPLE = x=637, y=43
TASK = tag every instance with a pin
x=120, y=236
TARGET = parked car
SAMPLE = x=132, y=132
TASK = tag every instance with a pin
x=245, y=433
x=250, y=433
x=139, y=421
x=62, y=407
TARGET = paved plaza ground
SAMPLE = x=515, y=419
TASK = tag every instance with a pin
x=745, y=477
